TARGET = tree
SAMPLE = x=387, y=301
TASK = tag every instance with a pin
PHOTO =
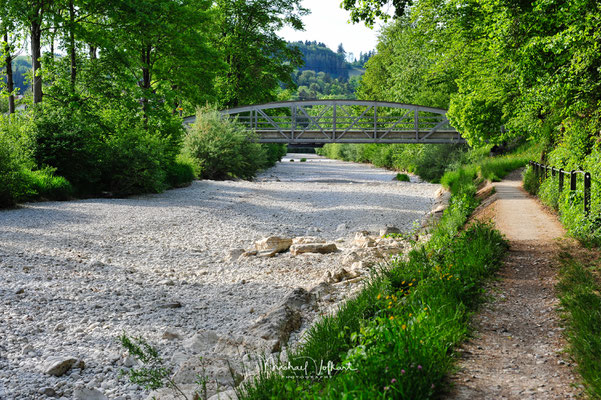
x=257, y=59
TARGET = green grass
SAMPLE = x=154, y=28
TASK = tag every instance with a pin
x=579, y=291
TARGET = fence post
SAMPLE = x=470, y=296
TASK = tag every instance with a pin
x=572, y=184
x=587, y=192
x=552, y=171
x=560, y=180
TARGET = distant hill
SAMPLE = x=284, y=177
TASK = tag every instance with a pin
x=21, y=67
x=320, y=58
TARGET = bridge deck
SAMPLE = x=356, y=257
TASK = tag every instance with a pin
x=345, y=121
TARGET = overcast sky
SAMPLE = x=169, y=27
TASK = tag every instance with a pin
x=328, y=23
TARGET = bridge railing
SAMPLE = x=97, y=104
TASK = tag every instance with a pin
x=350, y=121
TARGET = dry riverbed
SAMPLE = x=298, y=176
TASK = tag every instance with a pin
x=168, y=267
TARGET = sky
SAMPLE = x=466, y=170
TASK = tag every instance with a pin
x=328, y=23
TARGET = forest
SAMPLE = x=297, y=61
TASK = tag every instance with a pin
x=508, y=72
x=110, y=81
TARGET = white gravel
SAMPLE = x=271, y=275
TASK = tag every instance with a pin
x=75, y=275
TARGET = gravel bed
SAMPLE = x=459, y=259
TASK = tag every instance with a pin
x=75, y=275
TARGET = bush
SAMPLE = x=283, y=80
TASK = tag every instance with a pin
x=135, y=163
x=303, y=160
x=273, y=153
x=109, y=150
x=18, y=182
x=46, y=185
x=429, y=161
x=14, y=162
x=181, y=172
x=403, y=178
x=224, y=149
x=72, y=142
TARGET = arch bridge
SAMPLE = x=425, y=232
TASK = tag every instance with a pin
x=344, y=121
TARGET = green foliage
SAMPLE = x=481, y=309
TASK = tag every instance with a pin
x=224, y=149
x=428, y=161
x=258, y=60
x=319, y=57
x=14, y=162
x=320, y=85
x=303, y=160
x=152, y=375
x=531, y=182
x=72, y=142
x=181, y=172
x=19, y=181
x=46, y=185
x=579, y=293
x=403, y=178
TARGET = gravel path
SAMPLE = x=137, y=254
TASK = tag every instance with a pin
x=75, y=275
x=518, y=349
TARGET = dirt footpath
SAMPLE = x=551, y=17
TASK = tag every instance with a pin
x=517, y=349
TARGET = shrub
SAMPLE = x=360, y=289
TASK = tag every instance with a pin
x=135, y=163
x=303, y=160
x=181, y=172
x=14, y=162
x=72, y=142
x=18, y=182
x=273, y=153
x=403, y=178
x=223, y=149
x=46, y=185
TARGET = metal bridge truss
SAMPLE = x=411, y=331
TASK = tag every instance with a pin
x=345, y=121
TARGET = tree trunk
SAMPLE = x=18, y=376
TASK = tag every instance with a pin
x=10, y=86
x=93, y=50
x=146, y=80
x=72, y=55
x=36, y=54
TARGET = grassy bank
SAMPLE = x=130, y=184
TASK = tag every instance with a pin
x=579, y=290
x=395, y=339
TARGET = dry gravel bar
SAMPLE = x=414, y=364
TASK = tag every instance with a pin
x=75, y=275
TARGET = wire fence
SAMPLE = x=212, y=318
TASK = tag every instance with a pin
x=542, y=172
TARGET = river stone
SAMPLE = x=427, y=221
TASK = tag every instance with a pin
x=234, y=254
x=189, y=390
x=48, y=391
x=363, y=240
x=226, y=395
x=321, y=248
x=389, y=230
x=202, y=342
x=307, y=240
x=88, y=394
x=275, y=244
x=58, y=366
